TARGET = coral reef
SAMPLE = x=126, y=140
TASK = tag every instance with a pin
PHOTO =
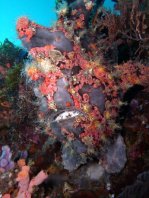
x=80, y=98
x=74, y=108
x=130, y=40
x=84, y=94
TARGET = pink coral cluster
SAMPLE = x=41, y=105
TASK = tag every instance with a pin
x=24, y=28
x=25, y=185
x=132, y=73
x=43, y=51
x=48, y=86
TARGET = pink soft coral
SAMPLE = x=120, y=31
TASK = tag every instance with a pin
x=25, y=185
x=25, y=28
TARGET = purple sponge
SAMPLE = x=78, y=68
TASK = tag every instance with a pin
x=5, y=159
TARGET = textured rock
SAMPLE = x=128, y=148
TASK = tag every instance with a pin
x=115, y=157
x=95, y=172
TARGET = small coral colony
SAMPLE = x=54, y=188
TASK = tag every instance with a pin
x=71, y=102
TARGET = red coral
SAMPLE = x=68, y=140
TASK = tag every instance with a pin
x=33, y=73
x=86, y=98
x=132, y=74
x=79, y=23
x=25, y=29
x=41, y=51
x=22, y=23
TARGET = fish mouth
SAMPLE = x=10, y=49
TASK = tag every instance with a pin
x=63, y=123
x=65, y=114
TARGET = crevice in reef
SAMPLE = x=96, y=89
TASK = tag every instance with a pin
x=127, y=98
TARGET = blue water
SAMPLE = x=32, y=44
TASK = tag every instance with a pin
x=40, y=11
x=108, y=4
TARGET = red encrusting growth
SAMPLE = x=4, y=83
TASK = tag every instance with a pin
x=98, y=122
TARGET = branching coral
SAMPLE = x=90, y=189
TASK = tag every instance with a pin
x=132, y=74
x=25, y=185
x=124, y=39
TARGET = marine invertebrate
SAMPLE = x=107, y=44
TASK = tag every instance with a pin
x=33, y=35
x=25, y=185
x=80, y=98
x=5, y=159
x=130, y=74
x=130, y=41
x=25, y=29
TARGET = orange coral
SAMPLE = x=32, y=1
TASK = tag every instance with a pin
x=22, y=23
x=33, y=73
x=23, y=174
x=131, y=74
x=25, y=29
x=99, y=72
x=21, y=162
x=79, y=23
